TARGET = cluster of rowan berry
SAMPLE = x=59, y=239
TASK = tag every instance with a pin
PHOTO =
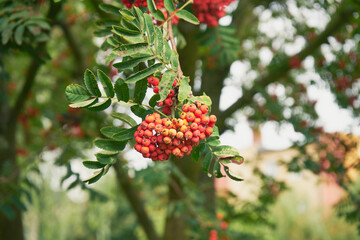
x=169, y=101
x=210, y=11
x=157, y=138
x=142, y=3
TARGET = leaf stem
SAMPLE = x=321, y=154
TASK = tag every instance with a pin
x=155, y=110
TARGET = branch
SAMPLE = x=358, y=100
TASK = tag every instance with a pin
x=136, y=203
x=75, y=48
x=341, y=17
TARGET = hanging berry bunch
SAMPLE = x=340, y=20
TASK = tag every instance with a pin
x=174, y=121
x=207, y=11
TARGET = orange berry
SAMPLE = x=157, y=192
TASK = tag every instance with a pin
x=190, y=116
x=184, y=149
x=195, y=140
x=165, y=132
x=158, y=121
x=153, y=139
x=201, y=128
x=140, y=133
x=158, y=128
x=172, y=132
x=176, y=151
x=194, y=126
x=156, y=115
x=202, y=136
x=212, y=118
x=204, y=109
x=144, y=150
x=138, y=139
x=176, y=142
x=179, y=122
x=151, y=126
x=208, y=131
x=197, y=120
x=145, y=142
x=144, y=125
x=181, y=155
x=196, y=133
x=192, y=108
x=183, y=128
x=160, y=139
x=149, y=118
x=168, y=124
x=211, y=124
x=168, y=151
x=198, y=113
x=185, y=107
x=180, y=135
x=148, y=133
x=183, y=115
x=138, y=147
x=168, y=102
x=167, y=140
x=152, y=147
x=205, y=119
x=171, y=93
x=188, y=135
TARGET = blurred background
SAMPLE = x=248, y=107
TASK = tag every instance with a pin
x=284, y=79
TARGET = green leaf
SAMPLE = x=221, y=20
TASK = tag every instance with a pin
x=225, y=150
x=125, y=118
x=184, y=89
x=159, y=42
x=109, y=144
x=18, y=35
x=154, y=99
x=174, y=59
x=125, y=32
x=130, y=25
x=215, y=132
x=130, y=49
x=140, y=17
x=213, y=141
x=91, y=83
x=83, y=104
x=93, y=164
x=96, y=177
x=131, y=63
x=6, y=35
x=110, y=131
x=110, y=9
x=227, y=171
x=140, y=111
x=76, y=93
x=187, y=16
x=125, y=135
x=100, y=105
x=158, y=15
x=167, y=52
x=207, y=162
x=217, y=170
x=169, y=5
x=106, y=82
x=166, y=84
x=145, y=73
x=127, y=14
x=150, y=29
x=105, y=154
x=203, y=99
x=140, y=90
x=197, y=151
x=108, y=160
x=121, y=90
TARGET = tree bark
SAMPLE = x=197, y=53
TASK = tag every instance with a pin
x=135, y=201
x=9, y=169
